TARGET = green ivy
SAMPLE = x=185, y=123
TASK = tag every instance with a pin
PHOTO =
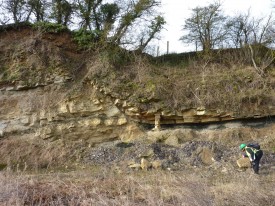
x=50, y=27
x=85, y=39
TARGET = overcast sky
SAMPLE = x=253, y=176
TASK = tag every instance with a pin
x=176, y=11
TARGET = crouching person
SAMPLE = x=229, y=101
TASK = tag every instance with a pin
x=254, y=153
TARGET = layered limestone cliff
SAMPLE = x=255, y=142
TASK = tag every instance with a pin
x=49, y=113
x=49, y=96
x=52, y=66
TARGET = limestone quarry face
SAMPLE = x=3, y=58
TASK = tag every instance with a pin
x=44, y=92
x=49, y=114
x=48, y=100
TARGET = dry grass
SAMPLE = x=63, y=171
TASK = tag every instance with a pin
x=235, y=86
x=19, y=153
x=101, y=186
x=246, y=189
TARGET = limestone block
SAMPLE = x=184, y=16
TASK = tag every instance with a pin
x=109, y=122
x=124, y=104
x=243, y=162
x=10, y=88
x=61, y=128
x=50, y=116
x=64, y=128
x=25, y=120
x=156, y=136
x=22, y=87
x=33, y=119
x=90, y=122
x=130, y=113
x=233, y=125
x=58, y=79
x=121, y=121
x=210, y=119
x=190, y=119
x=168, y=121
x=201, y=112
x=44, y=132
x=201, y=108
x=151, y=111
x=96, y=101
x=83, y=106
x=67, y=77
x=59, y=118
x=112, y=111
x=172, y=141
x=131, y=132
x=95, y=122
x=63, y=109
x=206, y=156
x=180, y=121
x=147, y=153
x=145, y=164
x=43, y=122
x=15, y=127
x=157, y=164
x=135, y=166
x=131, y=162
x=188, y=113
x=118, y=102
x=226, y=118
x=185, y=135
x=132, y=110
x=43, y=114
x=168, y=113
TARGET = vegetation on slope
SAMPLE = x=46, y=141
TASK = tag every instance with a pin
x=223, y=79
x=231, y=79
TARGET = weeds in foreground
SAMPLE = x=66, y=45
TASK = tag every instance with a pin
x=104, y=187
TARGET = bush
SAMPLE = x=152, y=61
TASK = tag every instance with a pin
x=86, y=39
x=50, y=27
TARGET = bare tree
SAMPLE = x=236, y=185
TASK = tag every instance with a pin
x=122, y=22
x=4, y=18
x=154, y=28
x=134, y=11
x=245, y=29
x=38, y=8
x=62, y=11
x=17, y=9
x=105, y=19
x=263, y=32
x=240, y=29
x=87, y=12
x=206, y=27
x=130, y=24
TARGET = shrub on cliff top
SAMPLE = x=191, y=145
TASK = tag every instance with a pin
x=50, y=27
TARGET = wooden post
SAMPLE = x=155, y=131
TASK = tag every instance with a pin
x=158, y=51
x=167, y=47
x=157, y=122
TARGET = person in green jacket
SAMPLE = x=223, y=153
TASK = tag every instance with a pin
x=254, y=155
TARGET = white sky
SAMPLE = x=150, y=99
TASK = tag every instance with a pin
x=176, y=11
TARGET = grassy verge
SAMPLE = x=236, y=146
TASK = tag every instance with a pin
x=102, y=186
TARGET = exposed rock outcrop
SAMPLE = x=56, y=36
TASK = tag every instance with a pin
x=243, y=163
x=49, y=95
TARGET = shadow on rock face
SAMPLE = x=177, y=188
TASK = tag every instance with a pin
x=124, y=144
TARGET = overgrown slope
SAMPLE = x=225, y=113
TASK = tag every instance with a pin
x=224, y=80
x=76, y=125
x=52, y=89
